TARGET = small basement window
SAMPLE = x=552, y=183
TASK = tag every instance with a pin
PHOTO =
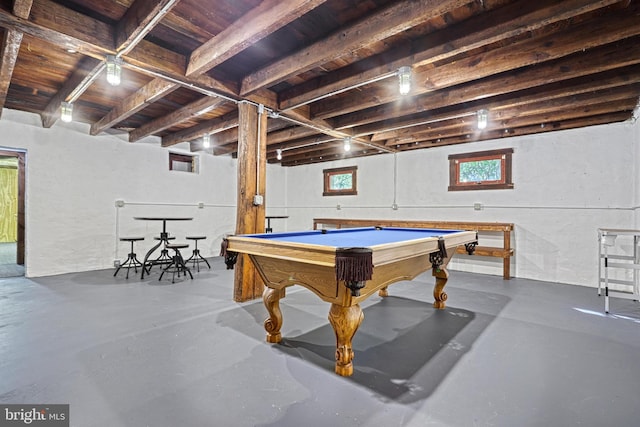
x=182, y=162
x=484, y=170
x=340, y=181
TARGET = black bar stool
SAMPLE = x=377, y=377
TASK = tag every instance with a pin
x=164, y=258
x=177, y=262
x=132, y=260
x=196, y=258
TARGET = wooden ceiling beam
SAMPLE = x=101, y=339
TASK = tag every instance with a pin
x=143, y=97
x=71, y=30
x=502, y=106
x=329, y=152
x=226, y=142
x=556, y=113
x=86, y=68
x=11, y=41
x=259, y=22
x=140, y=18
x=521, y=131
x=190, y=111
x=623, y=62
x=253, y=26
x=482, y=30
x=398, y=17
x=299, y=117
x=552, y=113
x=517, y=55
x=65, y=28
x=559, y=106
x=292, y=133
x=211, y=127
x=22, y=8
x=305, y=145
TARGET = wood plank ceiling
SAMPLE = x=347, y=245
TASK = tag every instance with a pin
x=324, y=70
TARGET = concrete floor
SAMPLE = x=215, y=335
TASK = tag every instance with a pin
x=8, y=266
x=148, y=353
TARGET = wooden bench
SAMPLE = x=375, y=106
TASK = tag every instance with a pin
x=505, y=252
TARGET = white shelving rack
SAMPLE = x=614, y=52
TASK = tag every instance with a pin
x=611, y=255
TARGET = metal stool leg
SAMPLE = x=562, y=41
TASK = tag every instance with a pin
x=177, y=266
x=196, y=258
x=131, y=262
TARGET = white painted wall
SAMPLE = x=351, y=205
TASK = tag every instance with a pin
x=567, y=184
x=73, y=181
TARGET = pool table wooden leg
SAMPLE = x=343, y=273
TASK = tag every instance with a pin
x=273, y=323
x=441, y=275
x=345, y=322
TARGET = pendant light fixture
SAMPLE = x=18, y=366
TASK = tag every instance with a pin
x=347, y=143
x=114, y=70
x=483, y=118
x=66, y=111
x=404, y=80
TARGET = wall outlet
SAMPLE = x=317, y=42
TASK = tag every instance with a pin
x=338, y=207
x=394, y=206
x=477, y=206
x=116, y=263
x=119, y=203
x=200, y=205
x=258, y=199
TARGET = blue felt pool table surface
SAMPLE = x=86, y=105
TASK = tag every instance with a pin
x=355, y=237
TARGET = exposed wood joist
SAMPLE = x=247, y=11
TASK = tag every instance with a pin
x=195, y=109
x=511, y=57
x=11, y=41
x=267, y=17
x=510, y=21
x=398, y=17
x=327, y=68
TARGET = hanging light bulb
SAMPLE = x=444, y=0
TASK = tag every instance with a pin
x=483, y=118
x=279, y=154
x=206, y=140
x=404, y=79
x=66, y=111
x=114, y=69
x=347, y=143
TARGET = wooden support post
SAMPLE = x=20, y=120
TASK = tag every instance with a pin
x=252, y=154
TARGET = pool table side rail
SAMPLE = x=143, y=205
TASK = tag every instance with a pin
x=325, y=255
x=505, y=252
x=313, y=254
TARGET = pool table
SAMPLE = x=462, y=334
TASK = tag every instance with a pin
x=346, y=266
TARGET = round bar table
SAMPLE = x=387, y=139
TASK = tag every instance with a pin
x=164, y=235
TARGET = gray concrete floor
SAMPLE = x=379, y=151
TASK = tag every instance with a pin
x=149, y=353
x=8, y=266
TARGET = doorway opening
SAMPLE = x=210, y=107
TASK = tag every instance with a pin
x=12, y=212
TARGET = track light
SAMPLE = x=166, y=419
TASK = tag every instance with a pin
x=347, y=143
x=404, y=80
x=279, y=154
x=114, y=69
x=66, y=111
x=483, y=118
x=206, y=140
